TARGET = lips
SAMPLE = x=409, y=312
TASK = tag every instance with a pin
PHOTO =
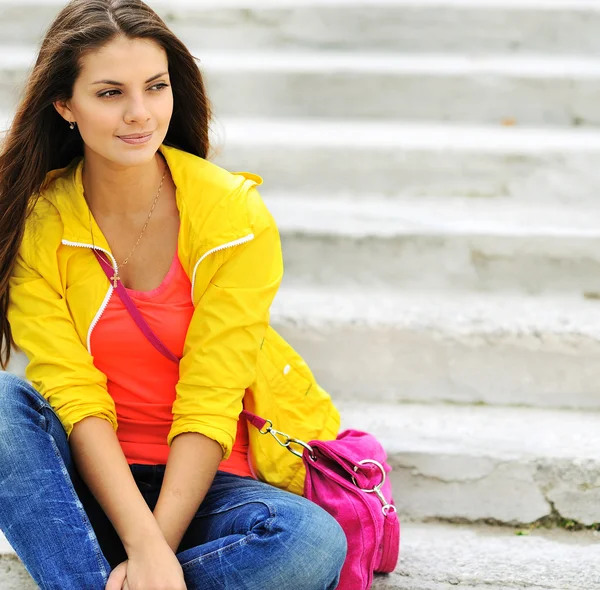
x=135, y=136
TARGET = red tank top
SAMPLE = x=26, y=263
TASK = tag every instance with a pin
x=141, y=380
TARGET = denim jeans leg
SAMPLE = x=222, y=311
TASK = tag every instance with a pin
x=41, y=514
x=248, y=535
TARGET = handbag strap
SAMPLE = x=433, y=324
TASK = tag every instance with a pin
x=255, y=420
x=134, y=311
x=283, y=439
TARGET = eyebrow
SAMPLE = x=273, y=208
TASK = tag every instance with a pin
x=114, y=83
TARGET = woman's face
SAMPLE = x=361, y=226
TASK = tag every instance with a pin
x=123, y=89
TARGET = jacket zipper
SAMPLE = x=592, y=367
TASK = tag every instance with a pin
x=243, y=240
x=104, y=305
x=108, y=293
x=106, y=300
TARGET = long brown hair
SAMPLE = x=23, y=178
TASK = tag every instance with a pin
x=39, y=139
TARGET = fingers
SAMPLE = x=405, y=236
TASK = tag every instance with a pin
x=117, y=577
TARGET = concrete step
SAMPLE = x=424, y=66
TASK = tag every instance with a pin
x=413, y=160
x=449, y=346
x=522, y=90
x=392, y=158
x=504, y=465
x=452, y=243
x=13, y=575
x=439, y=557
x=540, y=26
x=398, y=346
x=446, y=346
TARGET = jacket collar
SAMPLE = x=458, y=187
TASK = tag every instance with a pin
x=64, y=188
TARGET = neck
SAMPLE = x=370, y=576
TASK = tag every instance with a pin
x=114, y=190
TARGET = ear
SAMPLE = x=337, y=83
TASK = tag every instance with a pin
x=62, y=106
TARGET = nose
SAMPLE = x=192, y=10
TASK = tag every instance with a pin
x=137, y=110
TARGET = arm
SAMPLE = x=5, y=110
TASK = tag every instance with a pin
x=219, y=364
x=60, y=367
x=191, y=467
x=100, y=461
x=62, y=370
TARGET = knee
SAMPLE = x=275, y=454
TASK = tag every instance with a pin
x=318, y=545
x=330, y=547
x=10, y=388
x=16, y=392
x=20, y=404
x=8, y=381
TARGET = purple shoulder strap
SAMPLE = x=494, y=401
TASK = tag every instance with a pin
x=135, y=313
x=255, y=420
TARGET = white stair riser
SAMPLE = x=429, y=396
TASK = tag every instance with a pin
x=355, y=27
x=461, y=98
x=429, y=364
x=565, y=176
x=465, y=488
x=531, y=264
x=509, y=466
x=425, y=361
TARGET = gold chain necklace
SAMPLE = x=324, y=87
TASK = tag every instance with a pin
x=116, y=278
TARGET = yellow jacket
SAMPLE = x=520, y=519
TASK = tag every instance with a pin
x=230, y=248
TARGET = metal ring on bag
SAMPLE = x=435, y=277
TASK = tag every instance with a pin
x=383, y=475
x=311, y=453
x=386, y=508
x=268, y=428
x=288, y=440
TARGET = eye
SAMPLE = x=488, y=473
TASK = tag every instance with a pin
x=107, y=94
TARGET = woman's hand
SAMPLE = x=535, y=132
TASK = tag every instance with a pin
x=116, y=580
x=152, y=567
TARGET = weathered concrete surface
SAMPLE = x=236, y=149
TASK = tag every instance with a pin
x=531, y=26
x=509, y=465
x=415, y=346
x=387, y=158
x=13, y=575
x=462, y=88
x=391, y=159
x=451, y=244
x=435, y=557
x=457, y=347
x=439, y=557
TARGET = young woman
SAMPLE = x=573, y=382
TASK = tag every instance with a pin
x=119, y=468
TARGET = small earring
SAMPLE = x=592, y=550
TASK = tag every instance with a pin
x=72, y=125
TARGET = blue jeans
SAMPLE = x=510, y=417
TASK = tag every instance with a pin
x=245, y=535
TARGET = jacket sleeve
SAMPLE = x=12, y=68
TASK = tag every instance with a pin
x=226, y=331
x=60, y=366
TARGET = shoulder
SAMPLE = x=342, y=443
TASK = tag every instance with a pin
x=44, y=220
x=210, y=192
x=43, y=229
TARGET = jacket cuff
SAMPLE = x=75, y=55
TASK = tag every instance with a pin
x=223, y=437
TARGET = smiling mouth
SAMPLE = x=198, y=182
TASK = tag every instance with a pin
x=136, y=136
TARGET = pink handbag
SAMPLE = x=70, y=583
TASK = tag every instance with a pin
x=348, y=477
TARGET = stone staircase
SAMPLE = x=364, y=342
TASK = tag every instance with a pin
x=433, y=166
